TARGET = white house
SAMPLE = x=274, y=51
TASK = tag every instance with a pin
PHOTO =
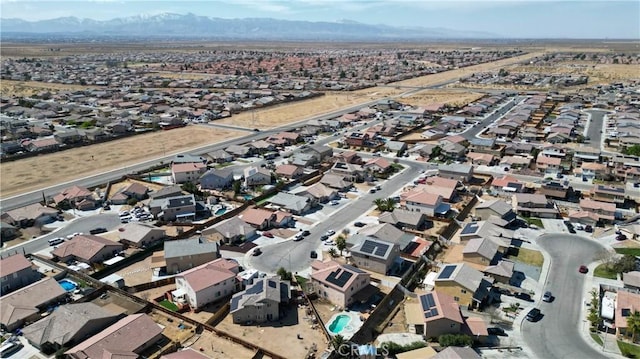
x=207, y=283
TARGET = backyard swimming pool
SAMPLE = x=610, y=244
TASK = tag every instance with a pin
x=221, y=211
x=338, y=324
x=68, y=285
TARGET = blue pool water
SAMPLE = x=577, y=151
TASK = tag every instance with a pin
x=220, y=211
x=247, y=197
x=68, y=285
x=339, y=323
x=159, y=179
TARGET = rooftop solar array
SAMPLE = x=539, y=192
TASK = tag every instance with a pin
x=256, y=288
x=272, y=284
x=339, y=277
x=470, y=228
x=446, y=272
x=234, y=302
x=374, y=248
x=428, y=305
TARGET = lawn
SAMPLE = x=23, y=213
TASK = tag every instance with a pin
x=536, y=221
x=596, y=338
x=603, y=272
x=529, y=256
x=223, y=165
x=629, y=350
x=632, y=251
x=301, y=280
x=167, y=304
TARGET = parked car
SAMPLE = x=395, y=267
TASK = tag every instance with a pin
x=331, y=232
x=583, y=269
x=570, y=227
x=621, y=237
x=313, y=254
x=98, y=230
x=524, y=296
x=373, y=190
x=335, y=203
x=359, y=224
x=298, y=237
x=588, y=228
x=496, y=331
x=257, y=252
x=547, y=297
x=305, y=233
x=533, y=314
x=267, y=234
x=579, y=227
x=324, y=237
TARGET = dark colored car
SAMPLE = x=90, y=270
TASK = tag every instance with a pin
x=306, y=233
x=98, y=230
x=267, y=234
x=583, y=269
x=570, y=227
x=621, y=237
x=588, y=228
x=496, y=331
x=524, y=296
x=324, y=237
x=257, y=252
x=533, y=314
x=359, y=224
x=313, y=254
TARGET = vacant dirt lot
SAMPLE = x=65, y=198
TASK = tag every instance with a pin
x=217, y=347
x=279, y=337
x=42, y=171
x=446, y=97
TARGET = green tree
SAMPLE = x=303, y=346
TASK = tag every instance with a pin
x=191, y=188
x=341, y=244
x=455, y=340
x=283, y=274
x=436, y=152
x=337, y=342
x=333, y=252
x=633, y=324
x=236, y=186
x=380, y=204
x=342, y=74
x=390, y=204
x=625, y=264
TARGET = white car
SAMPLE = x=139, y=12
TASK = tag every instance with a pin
x=335, y=203
x=331, y=232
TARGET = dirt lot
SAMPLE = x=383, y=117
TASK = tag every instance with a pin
x=137, y=273
x=217, y=347
x=454, y=255
x=272, y=336
x=447, y=97
x=172, y=330
x=41, y=171
x=116, y=187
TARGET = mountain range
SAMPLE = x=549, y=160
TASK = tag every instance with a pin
x=190, y=26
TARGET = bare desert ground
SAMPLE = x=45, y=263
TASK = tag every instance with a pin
x=446, y=97
x=45, y=170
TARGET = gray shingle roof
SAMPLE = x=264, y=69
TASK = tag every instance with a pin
x=187, y=247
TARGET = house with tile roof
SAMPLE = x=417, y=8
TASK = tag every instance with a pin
x=230, y=230
x=87, y=248
x=26, y=303
x=187, y=172
x=16, y=272
x=140, y=235
x=534, y=205
x=457, y=353
x=216, y=178
x=428, y=203
x=292, y=203
x=338, y=283
x=33, y=214
x=73, y=195
x=468, y=286
x=186, y=353
x=434, y=314
x=140, y=331
x=498, y=208
x=402, y=218
x=68, y=325
x=316, y=192
x=261, y=302
x=207, y=283
x=289, y=171
x=184, y=254
x=258, y=217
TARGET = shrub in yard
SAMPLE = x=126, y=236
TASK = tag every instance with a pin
x=455, y=340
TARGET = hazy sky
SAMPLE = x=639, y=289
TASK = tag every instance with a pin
x=515, y=18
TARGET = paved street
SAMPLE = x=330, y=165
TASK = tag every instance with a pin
x=473, y=131
x=557, y=334
x=295, y=256
x=80, y=225
x=594, y=132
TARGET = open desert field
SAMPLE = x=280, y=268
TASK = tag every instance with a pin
x=598, y=73
x=45, y=170
x=447, y=97
x=30, y=88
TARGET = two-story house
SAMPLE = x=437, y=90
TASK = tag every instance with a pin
x=207, y=283
x=181, y=255
x=216, y=179
x=468, y=286
x=16, y=272
x=338, y=283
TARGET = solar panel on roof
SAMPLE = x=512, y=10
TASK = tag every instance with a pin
x=382, y=249
x=256, y=288
x=368, y=247
x=430, y=302
x=272, y=284
x=339, y=277
x=446, y=272
x=470, y=228
x=425, y=305
x=234, y=303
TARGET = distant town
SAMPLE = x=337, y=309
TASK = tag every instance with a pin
x=457, y=203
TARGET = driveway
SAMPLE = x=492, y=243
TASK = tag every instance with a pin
x=558, y=333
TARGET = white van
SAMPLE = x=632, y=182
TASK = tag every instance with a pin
x=54, y=241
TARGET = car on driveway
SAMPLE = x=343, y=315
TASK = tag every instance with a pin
x=359, y=224
x=588, y=228
x=257, y=252
x=533, y=314
x=267, y=234
x=331, y=232
x=547, y=297
x=583, y=269
x=496, y=331
x=621, y=237
x=335, y=203
x=98, y=230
